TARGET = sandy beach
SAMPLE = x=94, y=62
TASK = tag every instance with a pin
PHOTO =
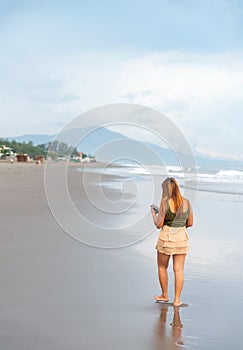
x=58, y=293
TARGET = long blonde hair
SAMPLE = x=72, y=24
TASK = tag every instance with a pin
x=171, y=190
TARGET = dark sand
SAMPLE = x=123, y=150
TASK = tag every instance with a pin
x=57, y=293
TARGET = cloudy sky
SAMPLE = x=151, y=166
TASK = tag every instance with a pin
x=183, y=58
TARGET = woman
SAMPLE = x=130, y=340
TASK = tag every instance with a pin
x=175, y=214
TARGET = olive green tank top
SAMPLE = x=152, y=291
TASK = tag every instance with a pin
x=172, y=220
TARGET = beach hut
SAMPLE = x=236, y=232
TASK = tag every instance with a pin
x=22, y=157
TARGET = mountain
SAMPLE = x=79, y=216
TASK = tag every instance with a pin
x=36, y=139
x=109, y=146
x=89, y=138
x=218, y=164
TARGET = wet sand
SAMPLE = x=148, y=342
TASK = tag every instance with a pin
x=57, y=293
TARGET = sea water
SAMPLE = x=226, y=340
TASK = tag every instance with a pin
x=217, y=180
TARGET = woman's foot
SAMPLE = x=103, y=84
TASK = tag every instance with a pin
x=161, y=298
x=177, y=303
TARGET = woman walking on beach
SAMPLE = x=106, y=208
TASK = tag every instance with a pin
x=174, y=216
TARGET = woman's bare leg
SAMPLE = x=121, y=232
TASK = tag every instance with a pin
x=178, y=267
x=163, y=262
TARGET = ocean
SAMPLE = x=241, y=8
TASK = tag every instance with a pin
x=216, y=180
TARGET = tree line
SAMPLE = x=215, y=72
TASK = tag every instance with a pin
x=53, y=149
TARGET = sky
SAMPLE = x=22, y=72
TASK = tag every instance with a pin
x=184, y=58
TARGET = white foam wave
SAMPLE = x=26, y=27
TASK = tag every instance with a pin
x=174, y=168
x=225, y=181
x=230, y=173
x=223, y=176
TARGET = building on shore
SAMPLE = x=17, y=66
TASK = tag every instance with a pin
x=22, y=157
x=6, y=152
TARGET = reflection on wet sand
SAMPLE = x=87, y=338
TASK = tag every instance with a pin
x=168, y=334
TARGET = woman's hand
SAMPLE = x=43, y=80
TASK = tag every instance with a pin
x=153, y=212
x=157, y=218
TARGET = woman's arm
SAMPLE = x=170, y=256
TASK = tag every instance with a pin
x=189, y=221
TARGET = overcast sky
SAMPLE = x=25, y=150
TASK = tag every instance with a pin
x=183, y=58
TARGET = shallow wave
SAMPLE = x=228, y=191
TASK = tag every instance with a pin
x=230, y=173
x=224, y=181
x=213, y=190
